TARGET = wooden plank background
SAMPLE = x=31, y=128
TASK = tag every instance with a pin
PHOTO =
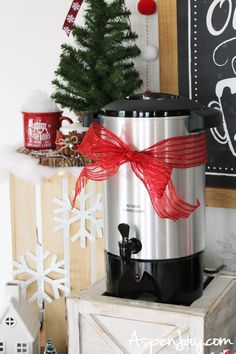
x=167, y=9
x=23, y=223
x=25, y=237
x=55, y=314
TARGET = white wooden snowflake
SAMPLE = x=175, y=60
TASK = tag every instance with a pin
x=83, y=215
x=40, y=274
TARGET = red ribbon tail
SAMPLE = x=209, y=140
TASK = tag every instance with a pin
x=175, y=206
x=172, y=206
x=80, y=184
x=182, y=209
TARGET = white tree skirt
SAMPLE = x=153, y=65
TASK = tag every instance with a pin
x=27, y=167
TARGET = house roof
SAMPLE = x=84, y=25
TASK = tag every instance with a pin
x=24, y=314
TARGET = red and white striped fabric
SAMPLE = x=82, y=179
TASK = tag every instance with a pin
x=71, y=16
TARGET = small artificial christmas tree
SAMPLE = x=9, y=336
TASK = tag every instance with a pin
x=98, y=69
x=50, y=349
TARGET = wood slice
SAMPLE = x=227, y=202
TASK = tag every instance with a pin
x=62, y=161
x=51, y=158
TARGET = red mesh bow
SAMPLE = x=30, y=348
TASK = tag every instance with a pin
x=153, y=166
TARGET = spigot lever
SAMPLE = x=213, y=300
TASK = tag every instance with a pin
x=128, y=247
x=125, y=251
x=124, y=230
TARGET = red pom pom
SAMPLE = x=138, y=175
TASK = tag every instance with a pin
x=147, y=7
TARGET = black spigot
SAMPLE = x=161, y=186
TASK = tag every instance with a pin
x=128, y=246
x=125, y=251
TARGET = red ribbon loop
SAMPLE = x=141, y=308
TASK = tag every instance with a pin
x=153, y=166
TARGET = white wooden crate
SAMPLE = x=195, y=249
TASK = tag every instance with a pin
x=99, y=324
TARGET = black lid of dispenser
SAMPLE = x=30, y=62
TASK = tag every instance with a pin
x=164, y=105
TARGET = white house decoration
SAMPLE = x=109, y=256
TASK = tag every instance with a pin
x=19, y=325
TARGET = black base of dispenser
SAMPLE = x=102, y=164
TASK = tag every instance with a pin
x=175, y=281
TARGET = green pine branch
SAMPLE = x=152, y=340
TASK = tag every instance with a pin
x=99, y=67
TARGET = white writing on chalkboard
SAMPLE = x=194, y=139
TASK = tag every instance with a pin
x=231, y=19
x=229, y=136
x=233, y=60
x=230, y=16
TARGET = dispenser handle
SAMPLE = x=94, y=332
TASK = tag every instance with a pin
x=203, y=119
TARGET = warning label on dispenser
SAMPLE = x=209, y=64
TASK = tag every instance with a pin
x=131, y=208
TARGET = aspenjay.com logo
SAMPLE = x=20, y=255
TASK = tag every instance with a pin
x=180, y=343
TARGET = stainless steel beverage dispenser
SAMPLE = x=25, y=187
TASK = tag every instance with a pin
x=143, y=252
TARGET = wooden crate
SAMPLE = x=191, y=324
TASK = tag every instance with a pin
x=37, y=211
x=102, y=324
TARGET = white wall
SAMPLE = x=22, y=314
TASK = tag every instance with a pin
x=30, y=40
x=221, y=238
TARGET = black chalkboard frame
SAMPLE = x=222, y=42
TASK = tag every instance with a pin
x=169, y=82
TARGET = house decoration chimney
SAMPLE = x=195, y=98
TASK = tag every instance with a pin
x=13, y=291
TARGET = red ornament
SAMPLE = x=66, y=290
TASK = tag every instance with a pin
x=147, y=7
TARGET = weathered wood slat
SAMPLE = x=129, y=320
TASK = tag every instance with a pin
x=80, y=257
x=32, y=214
x=168, y=46
x=102, y=331
x=221, y=198
x=112, y=320
x=53, y=241
x=23, y=222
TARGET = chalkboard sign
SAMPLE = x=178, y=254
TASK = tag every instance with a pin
x=207, y=73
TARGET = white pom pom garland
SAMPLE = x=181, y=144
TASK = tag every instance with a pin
x=149, y=53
